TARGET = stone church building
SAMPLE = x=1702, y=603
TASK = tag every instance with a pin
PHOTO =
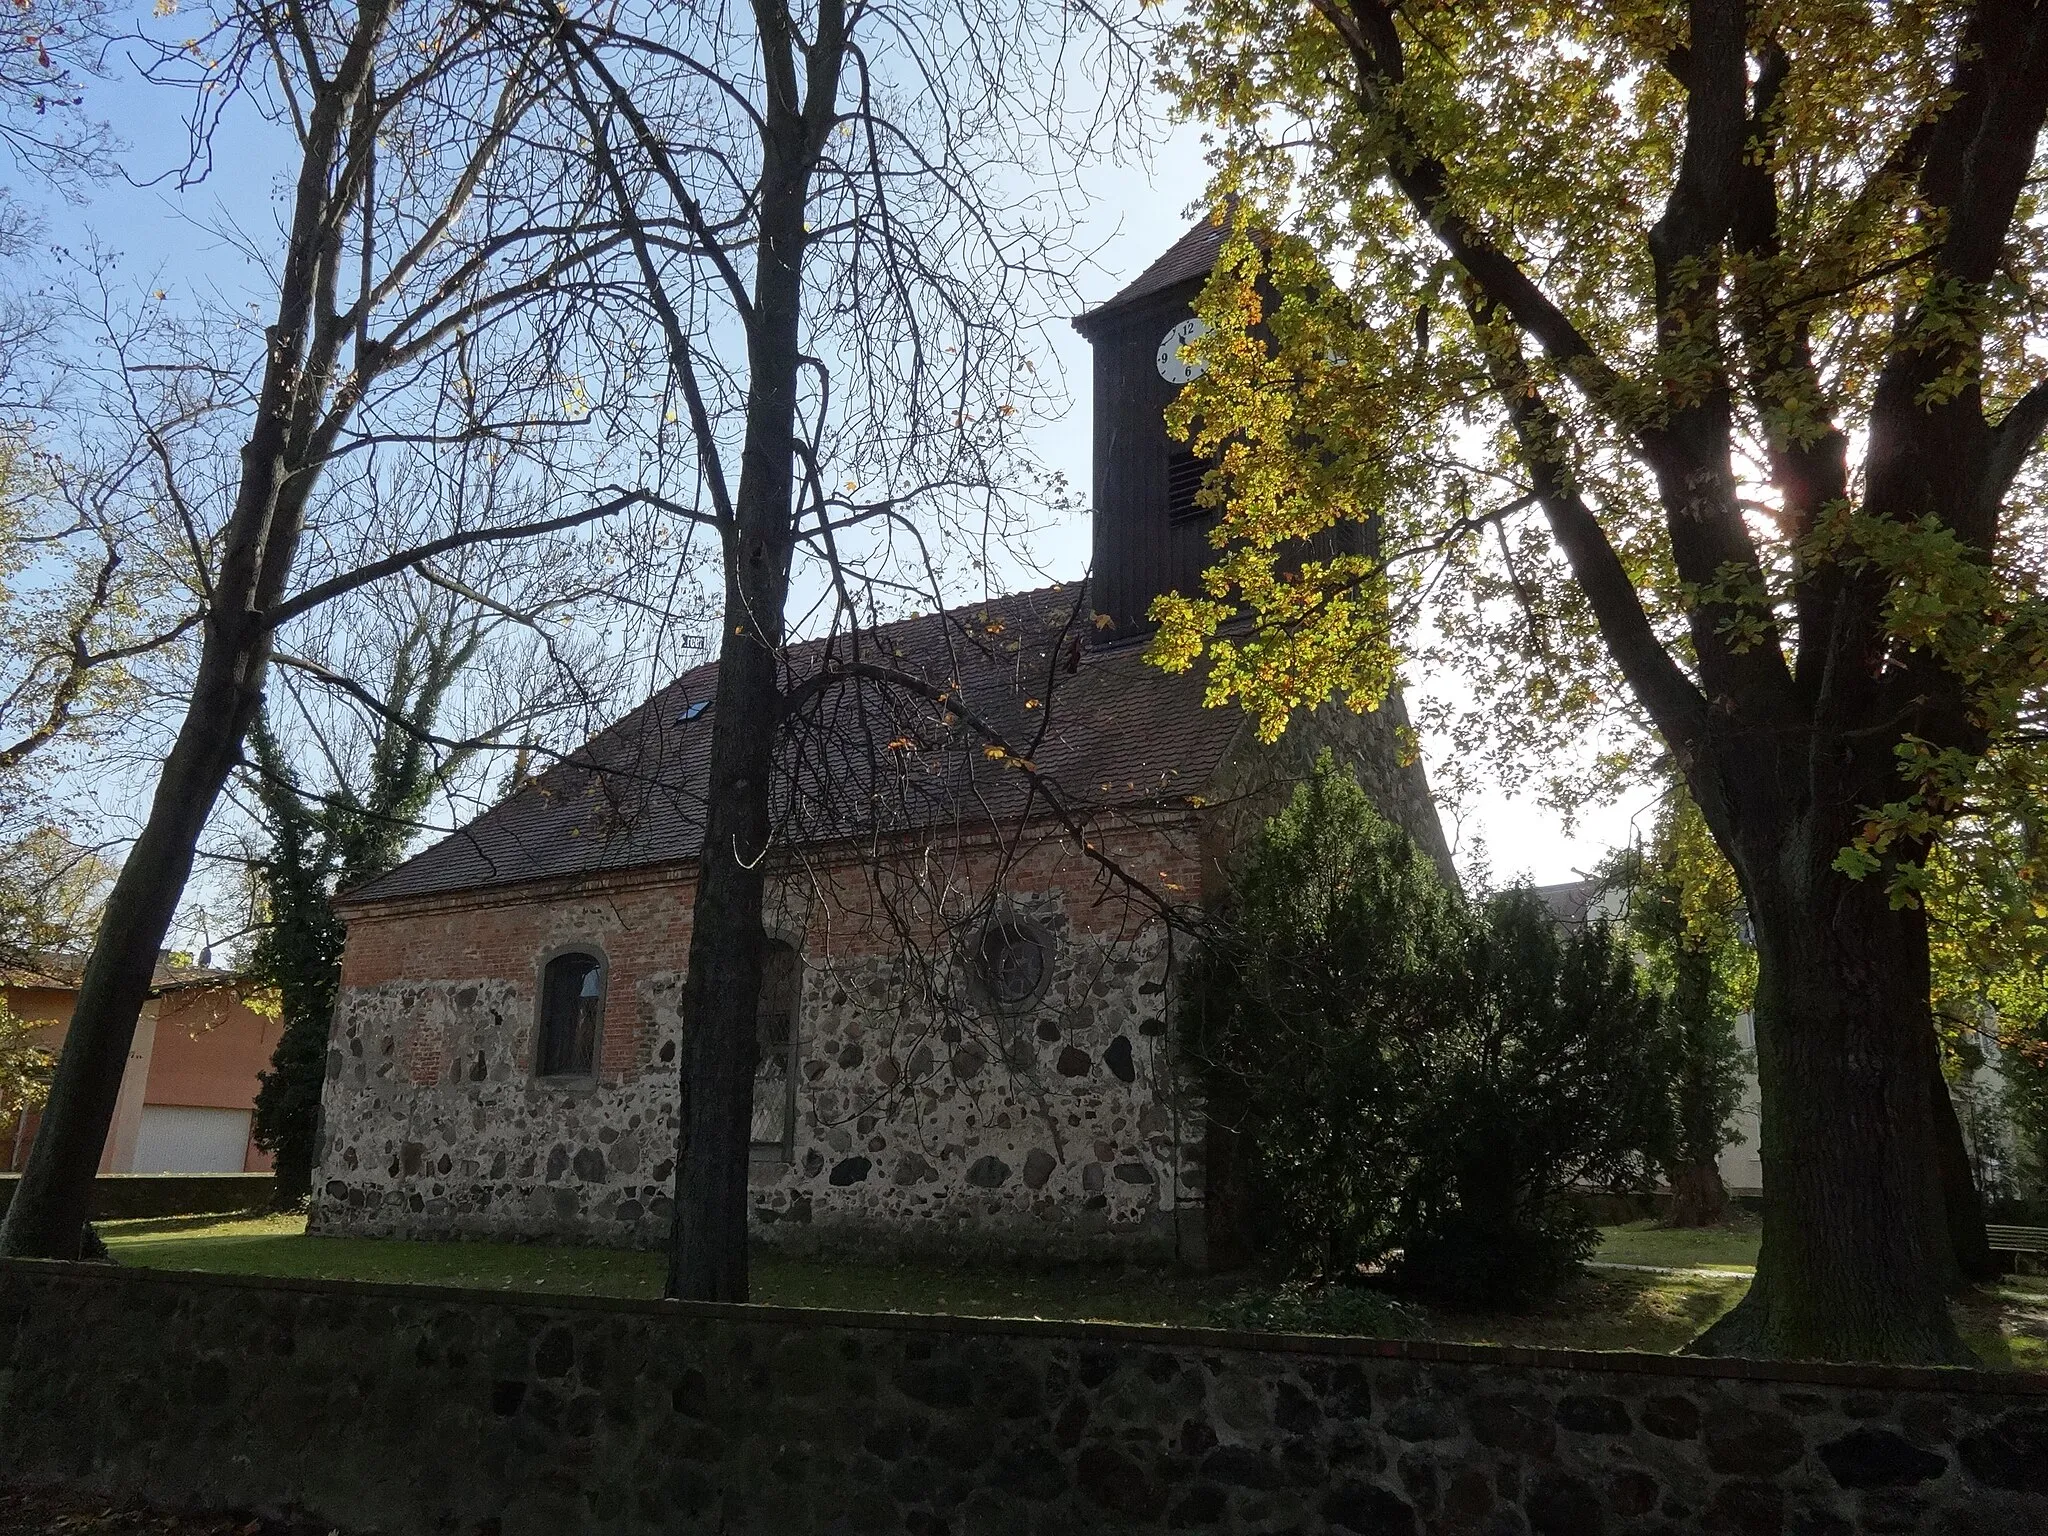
x=966, y=1024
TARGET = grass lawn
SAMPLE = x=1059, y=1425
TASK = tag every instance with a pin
x=277, y=1245
x=1731, y=1246
x=1608, y=1309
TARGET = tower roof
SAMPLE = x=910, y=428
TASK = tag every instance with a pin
x=1192, y=256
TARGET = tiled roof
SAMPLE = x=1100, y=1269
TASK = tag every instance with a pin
x=1193, y=255
x=61, y=972
x=1102, y=725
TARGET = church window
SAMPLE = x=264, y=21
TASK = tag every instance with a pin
x=774, y=1123
x=571, y=1009
x=1012, y=964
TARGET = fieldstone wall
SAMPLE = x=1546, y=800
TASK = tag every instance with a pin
x=963, y=1130
x=918, y=1125
x=415, y=1411
x=433, y=1123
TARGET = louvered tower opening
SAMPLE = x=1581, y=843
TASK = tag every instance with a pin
x=1184, y=472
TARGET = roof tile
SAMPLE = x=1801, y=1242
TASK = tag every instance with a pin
x=1102, y=726
x=1193, y=255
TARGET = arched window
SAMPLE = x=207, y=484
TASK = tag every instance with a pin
x=571, y=1008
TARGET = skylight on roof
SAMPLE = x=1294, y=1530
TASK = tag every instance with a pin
x=692, y=710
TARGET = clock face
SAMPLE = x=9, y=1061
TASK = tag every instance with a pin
x=1174, y=368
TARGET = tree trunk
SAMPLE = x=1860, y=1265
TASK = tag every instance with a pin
x=721, y=997
x=280, y=464
x=1857, y=1258
x=1698, y=1197
x=708, y=1245
x=51, y=1204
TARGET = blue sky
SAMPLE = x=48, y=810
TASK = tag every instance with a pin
x=169, y=238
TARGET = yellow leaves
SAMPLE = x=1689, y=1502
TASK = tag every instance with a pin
x=164, y=8
x=1350, y=394
x=997, y=754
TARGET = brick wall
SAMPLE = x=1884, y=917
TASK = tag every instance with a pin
x=921, y=1115
x=410, y=1411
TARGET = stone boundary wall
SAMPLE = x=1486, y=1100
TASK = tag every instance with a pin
x=409, y=1410
x=125, y=1196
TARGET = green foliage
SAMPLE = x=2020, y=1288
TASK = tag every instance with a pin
x=1369, y=361
x=25, y=1067
x=1348, y=364
x=298, y=954
x=1345, y=1310
x=319, y=845
x=1683, y=917
x=2026, y=1111
x=1553, y=1075
x=1410, y=1078
x=1306, y=1003
x=1985, y=891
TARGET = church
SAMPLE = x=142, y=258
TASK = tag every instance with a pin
x=967, y=1020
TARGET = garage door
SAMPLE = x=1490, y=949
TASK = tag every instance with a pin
x=179, y=1140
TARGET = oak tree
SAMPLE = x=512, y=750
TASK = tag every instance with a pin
x=1690, y=356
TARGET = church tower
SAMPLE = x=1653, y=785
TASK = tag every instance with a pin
x=1150, y=537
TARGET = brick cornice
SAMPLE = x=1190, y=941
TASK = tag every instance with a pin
x=837, y=855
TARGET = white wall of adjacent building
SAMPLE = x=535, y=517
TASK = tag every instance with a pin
x=176, y=1138
x=1742, y=1168
x=1979, y=1093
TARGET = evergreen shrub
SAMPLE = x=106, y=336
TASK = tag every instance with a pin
x=1410, y=1082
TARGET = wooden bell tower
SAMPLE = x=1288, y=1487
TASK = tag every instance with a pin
x=1150, y=537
